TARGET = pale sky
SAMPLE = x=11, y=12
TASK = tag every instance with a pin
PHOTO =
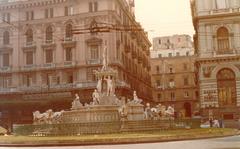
x=164, y=17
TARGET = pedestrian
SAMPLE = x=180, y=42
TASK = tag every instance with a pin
x=239, y=123
x=211, y=122
x=220, y=121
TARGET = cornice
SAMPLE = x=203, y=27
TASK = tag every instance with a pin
x=29, y=4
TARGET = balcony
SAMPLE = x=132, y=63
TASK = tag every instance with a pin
x=8, y=90
x=5, y=69
x=225, y=52
x=69, y=64
x=127, y=48
x=48, y=44
x=86, y=85
x=49, y=66
x=30, y=45
x=94, y=62
x=134, y=54
x=29, y=67
x=69, y=42
x=140, y=59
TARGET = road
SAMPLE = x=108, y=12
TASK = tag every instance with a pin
x=219, y=143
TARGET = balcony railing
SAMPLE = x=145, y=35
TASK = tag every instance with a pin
x=29, y=67
x=49, y=42
x=30, y=44
x=5, y=69
x=49, y=65
x=69, y=64
x=94, y=61
x=127, y=48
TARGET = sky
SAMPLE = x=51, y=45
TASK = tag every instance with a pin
x=164, y=17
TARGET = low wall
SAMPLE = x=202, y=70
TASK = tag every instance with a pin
x=72, y=129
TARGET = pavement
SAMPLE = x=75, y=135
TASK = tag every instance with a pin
x=232, y=142
x=126, y=140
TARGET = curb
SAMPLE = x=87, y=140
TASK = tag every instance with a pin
x=118, y=141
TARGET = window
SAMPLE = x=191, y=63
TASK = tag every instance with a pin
x=185, y=66
x=159, y=55
x=172, y=96
x=6, y=60
x=68, y=10
x=159, y=96
x=179, y=39
x=5, y=81
x=49, y=13
x=29, y=15
x=185, y=81
x=187, y=53
x=221, y=4
x=169, y=54
x=158, y=83
x=68, y=32
x=70, y=78
x=29, y=35
x=49, y=56
x=91, y=74
x=223, y=40
x=49, y=34
x=157, y=69
x=171, y=83
x=69, y=54
x=6, y=17
x=159, y=41
x=6, y=38
x=46, y=13
x=93, y=6
x=186, y=94
x=94, y=52
x=28, y=80
x=170, y=70
x=29, y=58
x=178, y=54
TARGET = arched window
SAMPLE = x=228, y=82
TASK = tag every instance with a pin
x=226, y=81
x=68, y=31
x=6, y=38
x=29, y=36
x=223, y=40
x=49, y=34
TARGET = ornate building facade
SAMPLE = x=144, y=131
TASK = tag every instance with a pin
x=48, y=53
x=173, y=74
x=217, y=26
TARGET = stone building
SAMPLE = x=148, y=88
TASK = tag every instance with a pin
x=173, y=75
x=48, y=52
x=217, y=26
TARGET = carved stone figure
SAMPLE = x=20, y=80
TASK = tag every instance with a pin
x=44, y=118
x=104, y=58
x=99, y=85
x=136, y=100
x=170, y=111
x=76, y=104
x=148, y=112
x=96, y=97
x=56, y=116
x=109, y=86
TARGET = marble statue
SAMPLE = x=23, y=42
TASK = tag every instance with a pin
x=170, y=111
x=109, y=86
x=42, y=118
x=76, y=102
x=104, y=58
x=96, y=97
x=136, y=100
x=99, y=85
